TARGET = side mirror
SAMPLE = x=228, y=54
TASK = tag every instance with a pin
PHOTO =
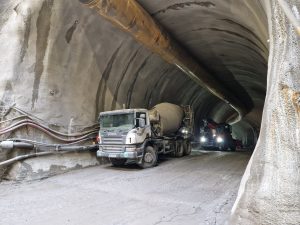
x=140, y=123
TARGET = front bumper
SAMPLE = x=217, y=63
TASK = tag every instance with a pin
x=125, y=152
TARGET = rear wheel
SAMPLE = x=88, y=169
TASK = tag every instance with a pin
x=118, y=162
x=179, y=149
x=187, y=147
x=233, y=147
x=150, y=158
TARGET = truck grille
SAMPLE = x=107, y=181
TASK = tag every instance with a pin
x=118, y=140
x=113, y=149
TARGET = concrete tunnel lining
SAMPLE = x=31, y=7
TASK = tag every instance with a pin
x=78, y=41
x=41, y=67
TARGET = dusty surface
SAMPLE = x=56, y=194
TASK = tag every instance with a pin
x=199, y=189
x=269, y=192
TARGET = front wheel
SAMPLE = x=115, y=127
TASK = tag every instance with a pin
x=223, y=147
x=233, y=148
x=150, y=158
x=117, y=162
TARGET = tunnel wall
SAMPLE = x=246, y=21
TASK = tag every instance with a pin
x=64, y=64
x=269, y=193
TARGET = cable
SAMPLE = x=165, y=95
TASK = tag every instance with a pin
x=22, y=157
x=31, y=115
x=47, y=132
x=38, y=123
x=26, y=121
x=15, y=118
x=58, y=150
x=46, y=144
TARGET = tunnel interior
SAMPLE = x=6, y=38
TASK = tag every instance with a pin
x=232, y=47
x=236, y=61
x=66, y=58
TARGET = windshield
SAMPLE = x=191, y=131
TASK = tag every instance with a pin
x=118, y=120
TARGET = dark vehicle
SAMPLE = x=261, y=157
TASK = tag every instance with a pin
x=214, y=135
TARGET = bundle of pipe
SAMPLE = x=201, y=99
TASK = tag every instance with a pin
x=38, y=147
x=32, y=121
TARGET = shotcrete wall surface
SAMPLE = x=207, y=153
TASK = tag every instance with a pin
x=61, y=64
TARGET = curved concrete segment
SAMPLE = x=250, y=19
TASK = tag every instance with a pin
x=132, y=18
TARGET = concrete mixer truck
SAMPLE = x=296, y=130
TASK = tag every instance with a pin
x=140, y=135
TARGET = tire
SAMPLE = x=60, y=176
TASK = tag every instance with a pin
x=149, y=159
x=232, y=145
x=179, y=149
x=233, y=148
x=187, y=148
x=223, y=147
x=117, y=162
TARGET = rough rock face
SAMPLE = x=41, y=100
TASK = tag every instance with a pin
x=269, y=193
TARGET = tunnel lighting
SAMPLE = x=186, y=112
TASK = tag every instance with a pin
x=219, y=139
x=203, y=139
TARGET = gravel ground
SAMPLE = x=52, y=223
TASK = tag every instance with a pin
x=197, y=189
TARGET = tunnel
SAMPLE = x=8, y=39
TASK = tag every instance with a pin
x=64, y=62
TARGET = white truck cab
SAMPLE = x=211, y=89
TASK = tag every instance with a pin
x=122, y=133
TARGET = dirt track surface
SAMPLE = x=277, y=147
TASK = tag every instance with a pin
x=198, y=189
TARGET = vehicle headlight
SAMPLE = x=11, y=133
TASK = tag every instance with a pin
x=219, y=140
x=185, y=131
x=203, y=139
x=99, y=139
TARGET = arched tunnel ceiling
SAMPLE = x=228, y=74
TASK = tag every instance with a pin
x=67, y=50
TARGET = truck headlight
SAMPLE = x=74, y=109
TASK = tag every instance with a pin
x=184, y=131
x=99, y=139
x=219, y=140
x=203, y=139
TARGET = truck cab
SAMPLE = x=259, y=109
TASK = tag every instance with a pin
x=122, y=134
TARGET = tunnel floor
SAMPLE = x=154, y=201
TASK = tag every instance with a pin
x=198, y=189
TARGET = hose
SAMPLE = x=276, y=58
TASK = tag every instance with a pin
x=22, y=157
x=59, y=149
x=32, y=121
x=47, y=132
x=26, y=121
x=15, y=118
x=33, y=117
x=46, y=144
